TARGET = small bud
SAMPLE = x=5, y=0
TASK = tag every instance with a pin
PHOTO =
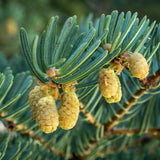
x=56, y=45
x=107, y=46
x=52, y=72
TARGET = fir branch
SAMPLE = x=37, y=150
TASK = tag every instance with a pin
x=138, y=94
x=11, y=126
x=151, y=81
x=89, y=116
x=76, y=57
x=155, y=132
x=148, y=83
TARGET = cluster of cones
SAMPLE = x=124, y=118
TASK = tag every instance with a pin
x=109, y=83
x=44, y=110
x=42, y=98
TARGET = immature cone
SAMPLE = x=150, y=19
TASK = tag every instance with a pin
x=138, y=65
x=34, y=97
x=108, y=84
x=47, y=114
x=69, y=110
x=117, y=97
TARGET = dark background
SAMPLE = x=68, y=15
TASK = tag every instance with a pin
x=34, y=15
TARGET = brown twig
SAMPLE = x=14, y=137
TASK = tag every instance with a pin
x=133, y=131
x=121, y=113
x=127, y=146
x=89, y=116
x=154, y=131
x=151, y=81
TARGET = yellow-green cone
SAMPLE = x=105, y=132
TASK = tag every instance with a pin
x=138, y=65
x=69, y=110
x=108, y=84
x=117, y=97
x=47, y=114
x=34, y=97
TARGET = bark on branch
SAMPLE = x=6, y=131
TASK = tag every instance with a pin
x=133, y=131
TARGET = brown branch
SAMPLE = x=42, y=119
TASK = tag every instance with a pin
x=89, y=116
x=133, y=131
x=151, y=81
x=154, y=131
x=121, y=113
x=135, y=143
x=148, y=83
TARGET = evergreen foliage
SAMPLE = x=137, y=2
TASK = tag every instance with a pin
x=103, y=130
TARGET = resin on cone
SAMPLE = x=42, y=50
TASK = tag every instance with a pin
x=69, y=110
x=47, y=114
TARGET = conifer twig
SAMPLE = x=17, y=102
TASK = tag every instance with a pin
x=12, y=125
x=133, y=131
x=155, y=132
x=89, y=116
x=121, y=113
x=148, y=83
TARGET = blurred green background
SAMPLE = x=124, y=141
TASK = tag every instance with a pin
x=34, y=14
